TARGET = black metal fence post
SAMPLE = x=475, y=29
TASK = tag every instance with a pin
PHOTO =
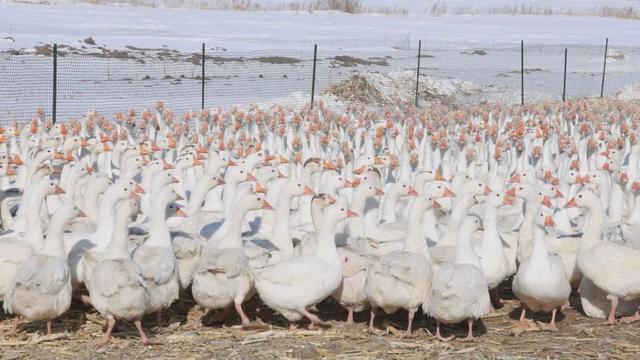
x=604, y=68
x=522, y=72
x=55, y=83
x=313, y=78
x=203, y=57
x=564, y=80
x=418, y=70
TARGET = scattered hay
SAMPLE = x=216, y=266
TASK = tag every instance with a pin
x=356, y=89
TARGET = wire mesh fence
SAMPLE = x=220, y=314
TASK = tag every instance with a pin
x=115, y=80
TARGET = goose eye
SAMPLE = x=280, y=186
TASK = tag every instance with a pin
x=52, y=184
x=521, y=188
x=342, y=209
x=404, y=186
x=580, y=196
x=125, y=189
x=299, y=185
x=480, y=185
x=241, y=172
x=525, y=174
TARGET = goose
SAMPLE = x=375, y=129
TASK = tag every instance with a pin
x=408, y=272
x=541, y=283
x=156, y=258
x=222, y=275
x=292, y=286
x=610, y=266
x=117, y=289
x=495, y=264
x=41, y=288
x=459, y=290
x=15, y=249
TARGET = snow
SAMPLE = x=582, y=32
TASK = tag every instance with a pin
x=470, y=57
x=185, y=30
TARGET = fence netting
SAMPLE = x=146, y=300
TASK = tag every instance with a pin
x=116, y=80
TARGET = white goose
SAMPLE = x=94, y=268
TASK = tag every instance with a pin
x=41, y=289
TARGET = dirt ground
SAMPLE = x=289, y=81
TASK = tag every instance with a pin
x=221, y=338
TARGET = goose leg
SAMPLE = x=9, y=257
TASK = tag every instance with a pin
x=611, y=320
x=552, y=324
x=111, y=322
x=159, y=318
x=350, y=315
x=409, y=332
x=14, y=326
x=523, y=317
x=49, y=327
x=630, y=319
x=439, y=337
x=143, y=336
x=470, y=331
x=245, y=319
x=315, y=320
x=372, y=329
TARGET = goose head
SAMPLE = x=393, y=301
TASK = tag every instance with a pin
x=496, y=199
x=401, y=189
x=530, y=194
x=477, y=187
x=470, y=224
x=174, y=210
x=439, y=189
x=321, y=201
x=297, y=189
x=237, y=174
x=544, y=219
x=585, y=199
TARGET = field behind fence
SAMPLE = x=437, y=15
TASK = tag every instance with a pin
x=110, y=80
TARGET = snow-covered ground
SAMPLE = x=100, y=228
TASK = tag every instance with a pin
x=143, y=54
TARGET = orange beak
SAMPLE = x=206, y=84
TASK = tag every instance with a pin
x=196, y=162
x=327, y=165
x=89, y=170
x=266, y=205
x=283, y=160
x=281, y=175
x=174, y=180
x=487, y=190
x=201, y=149
x=606, y=166
x=351, y=213
x=378, y=161
x=260, y=189
x=269, y=158
x=436, y=205
x=439, y=176
x=515, y=178
x=12, y=172
x=448, y=193
x=355, y=182
x=181, y=213
x=167, y=166
x=548, y=221
x=155, y=147
x=508, y=200
x=308, y=191
x=106, y=147
x=16, y=160
x=559, y=194
x=59, y=190
x=250, y=177
x=58, y=156
x=412, y=191
x=511, y=192
x=635, y=186
x=179, y=197
x=134, y=195
x=571, y=203
x=359, y=170
x=379, y=192
x=63, y=129
x=84, y=143
x=332, y=200
x=138, y=189
x=546, y=201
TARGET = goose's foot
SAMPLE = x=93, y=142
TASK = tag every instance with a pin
x=496, y=302
x=246, y=323
x=315, y=320
x=372, y=329
x=409, y=332
x=14, y=326
x=470, y=331
x=293, y=326
x=552, y=324
x=49, y=331
x=196, y=319
x=611, y=319
x=566, y=306
x=630, y=319
x=439, y=337
x=350, y=315
x=111, y=322
x=143, y=337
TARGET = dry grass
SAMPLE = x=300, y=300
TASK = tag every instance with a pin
x=578, y=338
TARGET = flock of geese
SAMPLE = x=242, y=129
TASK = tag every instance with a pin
x=397, y=208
